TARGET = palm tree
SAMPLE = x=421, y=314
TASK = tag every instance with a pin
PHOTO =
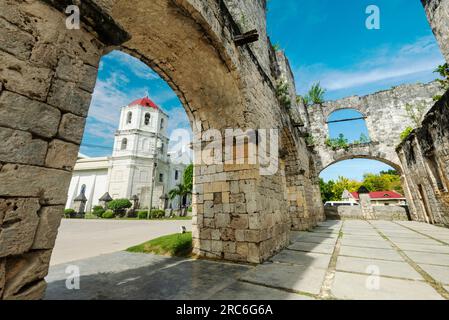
x=180, y=191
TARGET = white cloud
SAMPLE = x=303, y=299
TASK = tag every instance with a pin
x=384, y=64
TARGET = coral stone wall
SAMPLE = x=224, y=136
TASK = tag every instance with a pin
x=425, y=159
x=438, y=15
x=386, y=118
x=47, y=75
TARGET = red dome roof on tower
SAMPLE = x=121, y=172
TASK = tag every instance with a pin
x=144, y=102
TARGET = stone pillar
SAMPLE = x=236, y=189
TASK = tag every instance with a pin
x=47, y=75
x=365, y=203
x=79, y=205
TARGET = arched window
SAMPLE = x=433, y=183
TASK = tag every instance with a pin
x=129, y=118
x=124, y=144
x=162, y=124
x=147, y=118
x=162, y=148
x=348, y=125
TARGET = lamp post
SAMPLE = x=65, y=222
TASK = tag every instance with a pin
x=153, y=174
x=152, y=188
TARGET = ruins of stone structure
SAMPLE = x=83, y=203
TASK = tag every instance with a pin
x=425, y=158
x=47, y=75
x=385, y=117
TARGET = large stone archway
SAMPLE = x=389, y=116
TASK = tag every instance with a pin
x=47, y=76
x=385, y=117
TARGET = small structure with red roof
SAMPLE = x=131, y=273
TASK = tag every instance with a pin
x=378, y=198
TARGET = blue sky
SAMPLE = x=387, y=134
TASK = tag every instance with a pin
x=325, y=40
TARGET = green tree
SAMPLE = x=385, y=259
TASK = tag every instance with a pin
x=188, y=178
x=443, y=71
x=385, y=181
x=326, y=188
x=180, y=191
x=406, y=133
x=343, y=184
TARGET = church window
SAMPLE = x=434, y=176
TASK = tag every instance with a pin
x=147, y=118
x=129, y=118
x=176, y=174
x=124, y=144
x=161, y=177
x=162, y=124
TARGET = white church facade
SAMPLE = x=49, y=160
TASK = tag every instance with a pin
x=140, y=153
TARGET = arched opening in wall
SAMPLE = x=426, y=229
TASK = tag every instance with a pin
x=347, y=126
x=134, y=152
x=341, y=180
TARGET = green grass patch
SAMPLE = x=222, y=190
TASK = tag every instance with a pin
x=177, y=245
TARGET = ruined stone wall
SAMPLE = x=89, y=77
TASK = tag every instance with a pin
x=425, y=160
x=46, y=79
x=47, y=74
x=386, y=119
x=438, y=15
x=393, y=213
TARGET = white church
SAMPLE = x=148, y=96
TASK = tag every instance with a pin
x=140, y=153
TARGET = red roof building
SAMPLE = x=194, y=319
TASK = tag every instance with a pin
x=144, y=102
x=382, y=198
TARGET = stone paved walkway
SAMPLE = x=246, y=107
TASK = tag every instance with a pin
x=338, y=260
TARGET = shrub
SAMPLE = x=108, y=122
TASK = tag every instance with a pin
x=108, y=215
x=98, y=211
x=142, y=215
x=69, y=213
x=154, y=214
x=157, y=214
x=406, y=133
x=119, y=206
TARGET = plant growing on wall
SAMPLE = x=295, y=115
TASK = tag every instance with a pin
x=338, y=143
x=316, y=94
x=303, y=100
x=416, y=112
x=283, y=94
x=406, y=133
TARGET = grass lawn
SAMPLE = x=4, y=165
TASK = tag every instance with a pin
x=177, y=245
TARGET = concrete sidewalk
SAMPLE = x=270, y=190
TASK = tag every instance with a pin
x=338, y=260
x=81, y=239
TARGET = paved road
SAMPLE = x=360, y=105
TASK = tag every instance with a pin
x=338, y=260
x=80, y=239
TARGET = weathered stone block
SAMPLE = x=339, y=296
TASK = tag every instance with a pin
x=49, y=185
x=71, y=128
x=21, y=113
x=61, y=155
x=21, y=77
x=20, y=147
x=15, y=41
x=222, y=220
x=67, y=97
x=239, y=221
x=74, y=70
x=24, y=270
x=18, y=225
x=47, y=229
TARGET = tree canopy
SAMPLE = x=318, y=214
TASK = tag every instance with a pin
x=384, y=181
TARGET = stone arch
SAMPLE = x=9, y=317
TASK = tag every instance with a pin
x=239, y=215
x=356, y=115
x=396, y=166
